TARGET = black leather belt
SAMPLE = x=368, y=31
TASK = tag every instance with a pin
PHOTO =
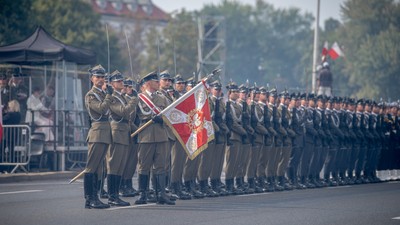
x=121, y=121
x=100, y=120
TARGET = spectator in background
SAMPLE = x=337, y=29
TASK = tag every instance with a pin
x=11, y=116
x=41, y=115
x=325, y=80
x=4, y=90
x=48, y=98
x=18, y=90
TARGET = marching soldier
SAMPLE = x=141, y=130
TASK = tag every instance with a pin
x=237, y=132
x=333, y=121
x=257, y=123
x=325, y=136
x=267, y=150
x=165, y=83
x=177, y=155
x=126, y=188
x=244, y=153
x=97, y=104
x=277, y=150
x=350, y=120
x=153, y=140
x=207, y=156
x=219, y=115
x=298, y=126
x=307, y=103
x=286, y=150
x=120, y=111
x=191, y=166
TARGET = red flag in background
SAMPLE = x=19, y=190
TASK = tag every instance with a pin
x=190, y=119
x=335, y=52
x=325, y=49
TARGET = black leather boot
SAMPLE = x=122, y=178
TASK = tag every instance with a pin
x=100, y=187
x=126, y=189
x=177, y=190
x=217, y=188
x=90, y=192
x=113, y=182
x=206, y=190
x=277, y=187
x=229, y=186
x=253, y=186
x=270, y=185
x=162, y=197
x=143, y=184
x=239, y=190
x=192, y=191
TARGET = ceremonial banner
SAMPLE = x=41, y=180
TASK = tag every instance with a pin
x=325, y=49
x=190, y=120
x=335, y=52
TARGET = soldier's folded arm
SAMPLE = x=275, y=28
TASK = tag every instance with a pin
x=238, y=129
x=261, y=129
x=100, y=107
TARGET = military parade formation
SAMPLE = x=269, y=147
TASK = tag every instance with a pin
x=265, y=140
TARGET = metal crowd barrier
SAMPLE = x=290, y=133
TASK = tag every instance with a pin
x=69, y=148
x=15, y=148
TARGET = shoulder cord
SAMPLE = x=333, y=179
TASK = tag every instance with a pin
x=98, y=98
x=237, y=119
x=123, y=103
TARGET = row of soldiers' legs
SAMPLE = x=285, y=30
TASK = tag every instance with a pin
x=267, y=168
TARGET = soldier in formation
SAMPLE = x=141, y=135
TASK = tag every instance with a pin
x=264, y=141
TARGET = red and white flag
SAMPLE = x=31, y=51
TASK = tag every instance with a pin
x=325, y=49
x=335, y=52
x=190, y=119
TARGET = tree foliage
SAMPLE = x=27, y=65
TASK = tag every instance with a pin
x=72, y=22
x=371, y=37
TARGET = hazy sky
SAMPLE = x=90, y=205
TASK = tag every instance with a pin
x=328, y=8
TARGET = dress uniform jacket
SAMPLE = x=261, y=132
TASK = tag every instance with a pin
x=97, y=104
x=155, y=132
x=236, y=128
x=120, y=114
x=220, y=134
x=258, y=123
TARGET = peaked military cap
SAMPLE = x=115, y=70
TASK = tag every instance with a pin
x=284, y=94
x=273, y=92
x=322, y=98
x=303, y=96
x=191, y=82
x=150, y=76
x=216, y=85
x=311, y=96
x=116, y=76
x=179, y=80
x=165, y=75
x=351, y=101
x=232, y=86
x=129, y=82
x=98, y=71
x=263, y=90
x=243, y=89
x=360, y=102
x=255, y=89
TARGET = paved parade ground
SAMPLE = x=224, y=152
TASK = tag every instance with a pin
x=55, y=202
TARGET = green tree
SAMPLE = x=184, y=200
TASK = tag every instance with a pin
x=371, y=38
x=75, y=23
x=14, y=15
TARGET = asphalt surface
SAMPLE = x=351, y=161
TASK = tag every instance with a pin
x=50, y=202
